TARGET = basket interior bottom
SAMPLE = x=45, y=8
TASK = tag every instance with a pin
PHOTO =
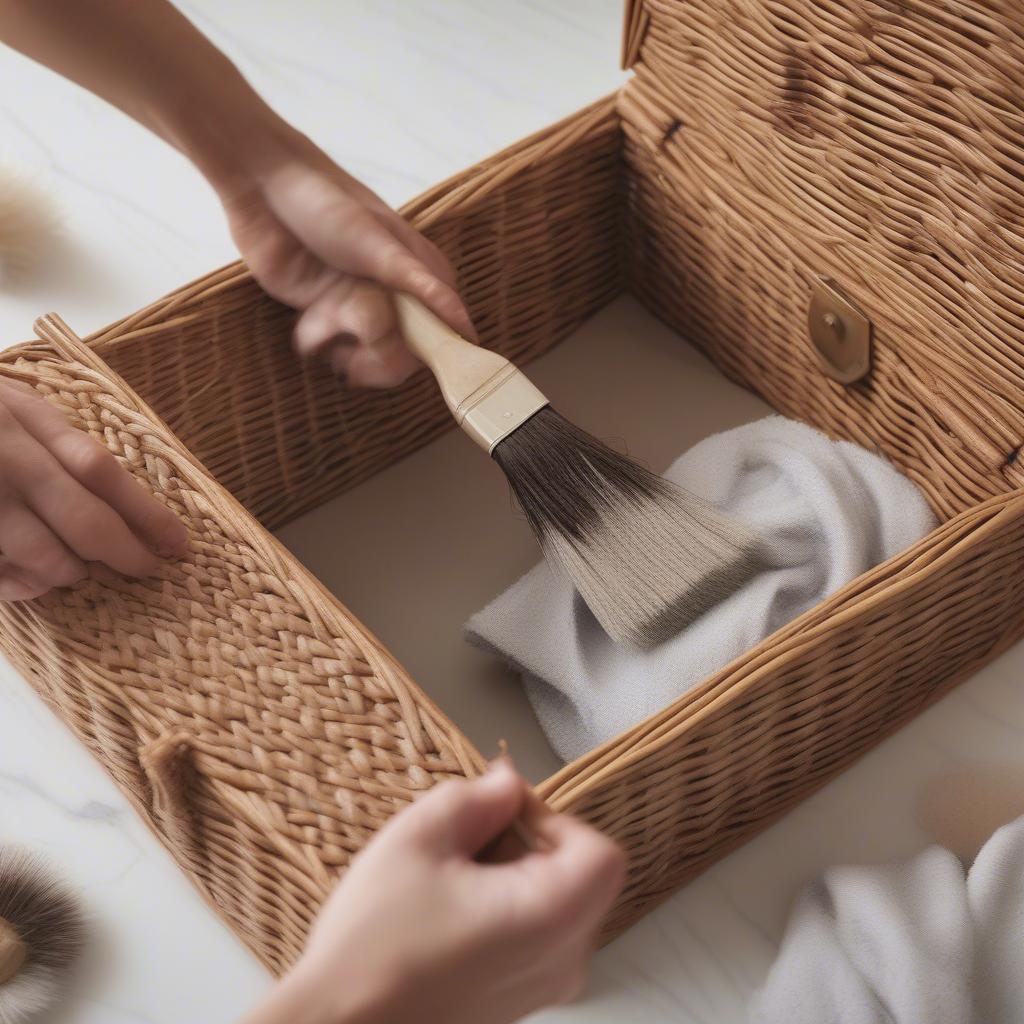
x=415, y=550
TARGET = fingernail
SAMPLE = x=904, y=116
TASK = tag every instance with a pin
x=503, y=755
x=502, y=764
x=168, y=549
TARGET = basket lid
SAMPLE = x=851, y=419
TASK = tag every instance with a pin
x=634, y=25
x=877, y=143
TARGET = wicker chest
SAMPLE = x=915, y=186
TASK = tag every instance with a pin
x=769, y=166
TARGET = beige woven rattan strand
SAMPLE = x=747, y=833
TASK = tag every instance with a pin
x=264, y=733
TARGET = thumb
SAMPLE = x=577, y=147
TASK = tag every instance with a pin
x=461, y=817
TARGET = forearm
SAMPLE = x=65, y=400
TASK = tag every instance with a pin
x=287, y=1003
x=311, y=234
x=146, y=58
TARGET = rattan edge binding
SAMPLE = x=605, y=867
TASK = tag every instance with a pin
x=613, y=927
x=54, y=331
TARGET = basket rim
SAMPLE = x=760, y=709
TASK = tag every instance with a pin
x=882, y=584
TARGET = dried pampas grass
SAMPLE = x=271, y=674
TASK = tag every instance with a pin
x=29, y=222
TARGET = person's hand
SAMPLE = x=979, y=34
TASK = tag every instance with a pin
x=67, y=508
x=320, y=241
x=313, y=236
x=420, y=930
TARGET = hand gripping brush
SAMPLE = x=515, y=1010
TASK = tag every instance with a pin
x=646, y=556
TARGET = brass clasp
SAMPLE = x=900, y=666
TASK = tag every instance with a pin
x=840, y=333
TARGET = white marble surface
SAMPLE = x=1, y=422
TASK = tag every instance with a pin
x=403, y=94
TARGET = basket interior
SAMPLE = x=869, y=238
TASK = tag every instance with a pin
x=418, y=548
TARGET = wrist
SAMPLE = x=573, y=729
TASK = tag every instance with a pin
x=293, y=1001
x=308, y=995
x=222, y=125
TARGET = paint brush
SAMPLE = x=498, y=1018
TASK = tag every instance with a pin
x=645, y=555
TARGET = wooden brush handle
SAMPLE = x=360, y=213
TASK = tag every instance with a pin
x=486, y=394
x=461, y=368
x=12, y=952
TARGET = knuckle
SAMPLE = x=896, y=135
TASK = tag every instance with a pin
x=271, y=258
x=347, y=312
x=264, y=259
x=447, y=801
x=50, y=562
x=312, y=330
x=87, y=460
x=356, y=217
x=347, y=320
x=438, y=262
x=14, y=588
x=262, y=265
x=365, y=316
x=351, y=220
x=436, y=294
x=66, y=572
x=88, y=524
x=432, y=288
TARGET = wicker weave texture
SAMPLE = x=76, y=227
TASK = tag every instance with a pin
x=264, y=733
x=261, y=731
x=880, y=144
x=534, y=232
x=729, y=757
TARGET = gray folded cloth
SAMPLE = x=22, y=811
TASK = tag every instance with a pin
x=826, y=511
x=920, y=943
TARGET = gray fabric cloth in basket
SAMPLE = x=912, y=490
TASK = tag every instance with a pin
x=920, y=943
x=827, y=511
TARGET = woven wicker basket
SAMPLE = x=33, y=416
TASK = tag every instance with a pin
x=258, y=726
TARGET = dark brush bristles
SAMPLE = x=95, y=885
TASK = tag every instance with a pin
x=47, y=918
x=645, y=555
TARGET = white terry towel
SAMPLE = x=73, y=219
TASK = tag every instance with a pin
x=827, y=510
x=914, y=944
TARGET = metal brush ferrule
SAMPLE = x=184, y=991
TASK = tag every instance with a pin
x=486, y=394
x=499, y=406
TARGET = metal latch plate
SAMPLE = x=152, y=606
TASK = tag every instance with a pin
x=840, y=333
